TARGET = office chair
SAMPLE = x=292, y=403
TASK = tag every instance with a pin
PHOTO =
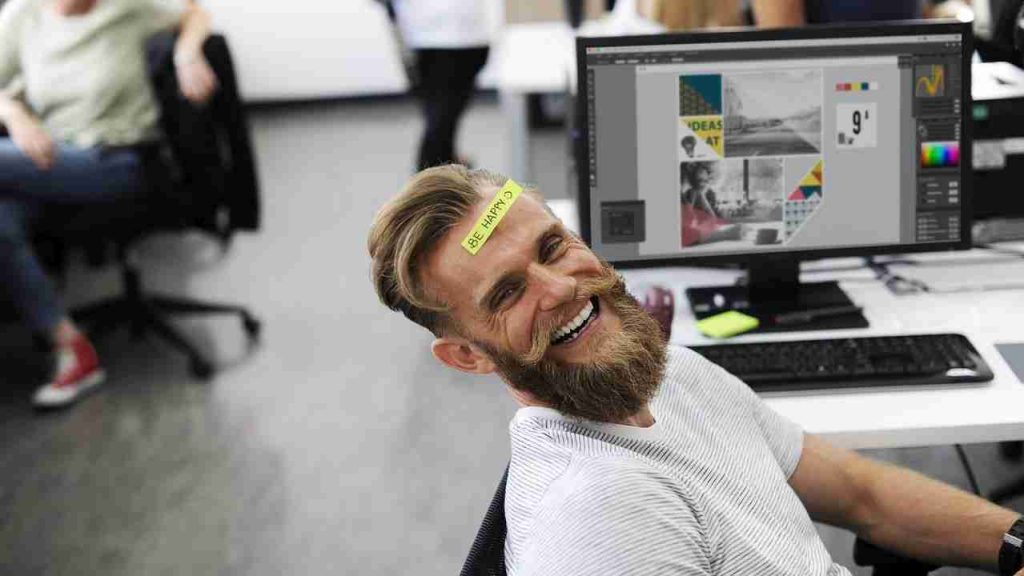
x=201, y=177
x=1011, y=25
x=487, y=555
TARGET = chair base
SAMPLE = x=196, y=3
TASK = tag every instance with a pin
x=145, y=313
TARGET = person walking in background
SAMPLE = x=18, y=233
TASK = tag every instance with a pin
x=76, y=101
x=450, y=40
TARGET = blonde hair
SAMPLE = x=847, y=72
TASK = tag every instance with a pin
x=410, y=225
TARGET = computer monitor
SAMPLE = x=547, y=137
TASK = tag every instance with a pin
x=767, y=147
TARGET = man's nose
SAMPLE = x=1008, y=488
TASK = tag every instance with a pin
x=555, y=288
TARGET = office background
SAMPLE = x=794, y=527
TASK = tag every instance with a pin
x=338, y=445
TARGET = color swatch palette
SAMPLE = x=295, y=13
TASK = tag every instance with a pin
x=856, y=86
x=940, y=154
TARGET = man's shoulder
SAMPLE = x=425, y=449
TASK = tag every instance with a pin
x=580, y=485
x=694, y=381
x=611, y=511
x=685, y=365
x=596, y=486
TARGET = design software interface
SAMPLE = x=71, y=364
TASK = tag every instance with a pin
x=716, y=148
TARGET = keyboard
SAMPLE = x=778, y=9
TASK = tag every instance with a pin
x=921, y=359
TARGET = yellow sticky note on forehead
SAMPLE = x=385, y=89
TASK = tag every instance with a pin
x=489, y=220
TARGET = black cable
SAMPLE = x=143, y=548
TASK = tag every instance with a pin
x=967, y=468
x=898, y=285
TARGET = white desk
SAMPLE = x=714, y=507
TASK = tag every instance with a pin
x=889, y=418
x=881, y=418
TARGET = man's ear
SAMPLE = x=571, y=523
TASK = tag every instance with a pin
x=462, y=354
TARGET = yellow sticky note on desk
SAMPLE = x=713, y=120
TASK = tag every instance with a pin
x=489, y=220
x=727, y=324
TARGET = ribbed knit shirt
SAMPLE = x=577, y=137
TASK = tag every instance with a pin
x=703, y=491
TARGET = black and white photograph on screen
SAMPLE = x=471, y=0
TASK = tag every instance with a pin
x=751, y=190
x=732, y=203
x=776, y=113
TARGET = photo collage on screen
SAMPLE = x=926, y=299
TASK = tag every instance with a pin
x=750, y=156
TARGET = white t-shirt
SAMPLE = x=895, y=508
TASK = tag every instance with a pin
x=444, y=23
x=704, y=491
x=85, y=76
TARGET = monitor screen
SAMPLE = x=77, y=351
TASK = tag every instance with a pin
x=811, y=142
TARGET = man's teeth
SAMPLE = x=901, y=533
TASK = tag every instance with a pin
x=575, y=324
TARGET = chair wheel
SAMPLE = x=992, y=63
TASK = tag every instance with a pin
x=252, y=327
x=201, y=369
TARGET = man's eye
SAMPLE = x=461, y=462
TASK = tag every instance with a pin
x=551, y=249
x=506, y=295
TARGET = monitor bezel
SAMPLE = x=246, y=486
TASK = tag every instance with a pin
x=856, y=30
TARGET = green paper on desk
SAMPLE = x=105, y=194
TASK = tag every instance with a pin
x=727, y=324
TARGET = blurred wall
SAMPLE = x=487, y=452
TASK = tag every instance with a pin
x=307, y=49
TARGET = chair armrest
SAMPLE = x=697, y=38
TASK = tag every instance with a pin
x=886, y=562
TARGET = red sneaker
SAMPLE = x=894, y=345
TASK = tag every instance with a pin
x=78, y=371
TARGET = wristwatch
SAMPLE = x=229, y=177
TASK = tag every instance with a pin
x=1011, y=559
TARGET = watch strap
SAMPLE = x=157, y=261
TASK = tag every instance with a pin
x=1011, y=558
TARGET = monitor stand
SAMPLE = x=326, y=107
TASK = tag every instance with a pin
x=773, y=287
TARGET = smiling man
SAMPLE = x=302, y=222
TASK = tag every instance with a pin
x=630, y=456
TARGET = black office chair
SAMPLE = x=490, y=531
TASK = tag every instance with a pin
x=201, y=177
x=487, y=556
x=1010, y=28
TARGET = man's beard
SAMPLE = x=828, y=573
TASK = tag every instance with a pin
x=624, y=374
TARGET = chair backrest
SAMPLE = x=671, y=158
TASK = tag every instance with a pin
x=215, y=184
x=487, y=556
x=886, y=563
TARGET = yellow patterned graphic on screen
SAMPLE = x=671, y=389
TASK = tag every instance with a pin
x=934, y=82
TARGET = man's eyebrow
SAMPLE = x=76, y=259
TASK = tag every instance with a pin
x=491, y=293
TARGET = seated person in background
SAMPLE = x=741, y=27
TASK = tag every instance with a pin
x=779, y=13
x=693, y=14
x=78, y=102
x=630, y=456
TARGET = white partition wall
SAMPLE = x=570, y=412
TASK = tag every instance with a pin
x=307, y=49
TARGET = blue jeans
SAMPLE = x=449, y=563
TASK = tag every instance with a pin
x=78, y=178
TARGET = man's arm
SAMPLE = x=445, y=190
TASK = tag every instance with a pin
x=778, y=13
x=899, y=509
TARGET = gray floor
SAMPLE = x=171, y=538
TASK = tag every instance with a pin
x=336, y=446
